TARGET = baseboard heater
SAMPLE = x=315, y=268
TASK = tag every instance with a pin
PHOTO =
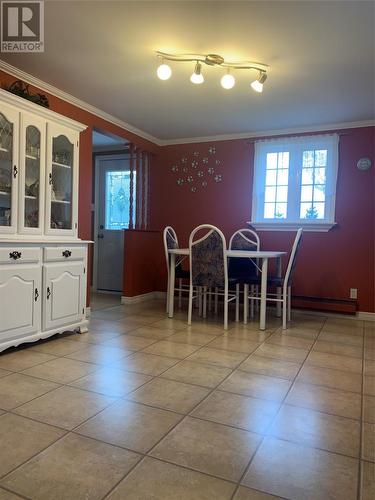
x=345, y=306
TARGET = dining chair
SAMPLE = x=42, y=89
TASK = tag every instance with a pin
x=208, y=267
x=170, y=241
x=283, y=283
x=243, y=269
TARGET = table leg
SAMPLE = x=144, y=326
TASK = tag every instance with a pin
x=263, y=294
x=171, y=285
x=278, y=274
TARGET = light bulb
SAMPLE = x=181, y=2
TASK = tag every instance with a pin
x=257, y=85
x=164, y=72
x=197, y=76
x=228, y=81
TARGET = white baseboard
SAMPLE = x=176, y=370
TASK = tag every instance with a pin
x=366, y=316
x=360, y=315
x=143, y=297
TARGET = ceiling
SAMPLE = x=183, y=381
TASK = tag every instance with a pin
x=321, y=55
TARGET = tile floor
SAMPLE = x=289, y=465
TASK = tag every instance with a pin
x=144, y=407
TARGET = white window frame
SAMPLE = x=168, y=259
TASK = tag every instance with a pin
x=295, y=146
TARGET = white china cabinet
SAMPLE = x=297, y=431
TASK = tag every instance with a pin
x=42, y=261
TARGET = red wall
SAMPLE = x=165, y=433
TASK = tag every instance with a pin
x=329, y=263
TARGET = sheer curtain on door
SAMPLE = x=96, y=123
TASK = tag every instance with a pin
x=139, y=190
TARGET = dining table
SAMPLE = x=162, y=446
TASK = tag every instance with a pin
x=262, y=256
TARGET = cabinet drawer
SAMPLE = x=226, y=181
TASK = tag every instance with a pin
x=19, y=255
x=64, y=254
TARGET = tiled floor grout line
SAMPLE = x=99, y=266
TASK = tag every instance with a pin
x=247, y=468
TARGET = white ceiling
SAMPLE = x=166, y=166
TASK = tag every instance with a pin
x=321, y=55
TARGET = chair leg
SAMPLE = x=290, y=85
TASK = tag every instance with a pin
x=226, y=308
x=257, y=302
x=289, y=303
x=285, y=296
x=190, y=310
x=210, y=299
x=237, y=302
x=252, y=293
x=245, y=303
x=278, y=304
x=204, y=302
x=216, y=299
x=167, y=305
x=180, y=293
x=200, y=301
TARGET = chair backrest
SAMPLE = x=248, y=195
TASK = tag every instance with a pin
x=170, y=241
x=243, y=239
x=293, y=257
x=208, y=261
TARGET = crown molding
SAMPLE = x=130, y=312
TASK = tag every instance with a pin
x=269, y=133
x=46, y=87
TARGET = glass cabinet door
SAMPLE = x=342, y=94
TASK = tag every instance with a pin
x=8, y=169
x=62, y=183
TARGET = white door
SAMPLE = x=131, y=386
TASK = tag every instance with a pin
x=9, y=168
x=63, y=294
x=20, y=301
x=62, y=181
x=112, y=204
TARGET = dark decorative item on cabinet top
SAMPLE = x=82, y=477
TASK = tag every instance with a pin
x=21, y=89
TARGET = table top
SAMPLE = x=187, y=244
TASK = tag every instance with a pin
x=251, y=254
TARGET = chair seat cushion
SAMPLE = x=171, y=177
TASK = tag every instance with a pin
x=182, y=274
x=271, y=280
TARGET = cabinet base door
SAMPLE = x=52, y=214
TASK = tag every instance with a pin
x=63, y=291
x=20, y=301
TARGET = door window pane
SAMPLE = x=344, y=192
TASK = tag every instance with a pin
x=276, y=188
x=117, y=199
x=313, y=184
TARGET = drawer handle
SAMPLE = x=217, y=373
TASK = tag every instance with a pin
x=50, y=179
x=48, y=292
x=36, y=294
x=15, y=255
x=15, y=171
x=66, y=253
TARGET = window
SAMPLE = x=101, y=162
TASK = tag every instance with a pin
x=117, y=199
x=295, y=183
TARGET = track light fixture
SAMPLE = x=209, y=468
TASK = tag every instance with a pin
x=227, y=81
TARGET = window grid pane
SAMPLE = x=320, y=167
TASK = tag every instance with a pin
x=313, y=184
x=276, y=188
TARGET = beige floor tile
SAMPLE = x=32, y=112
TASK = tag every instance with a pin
x=334, y=361
x=17, y=389
x=129, y=342
x=306, y=332
x=57, y=346
x=199, y=327
x=130, y=425
x=258, y=386
x=186, y=337
x=169, y=395
x=369, y=367
x=270, y=366
x=335, y=348
x=318, y=430
x=208, y=447
x=65, y=407
x=241, y=332
x=367, y=481
x=21, y=359
x=250, y=494
x=369, y=353
x=111, y=382
x=197, y=373
x=369, y=409
x=233, y=344
x=281, y=352
x=21, y=438
x=299, y=472
x=368, y=442
x=76, y=467
x=218, y=357
x=93, y=337
x=156, y=480
x=152, y=332
x=148, y=364
x=109, y=327
x=290, y=341
x=4, y=373
x=343, y=328
x=171, y=325
x=61, y=370
x=7, y=495
x=369, y=385
x=336, y=402
x=248, y=413
x=99, y=354
x=337, y=379
x=341, y=338
x=171, y=349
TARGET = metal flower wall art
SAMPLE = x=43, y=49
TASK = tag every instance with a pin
x=198, y=171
